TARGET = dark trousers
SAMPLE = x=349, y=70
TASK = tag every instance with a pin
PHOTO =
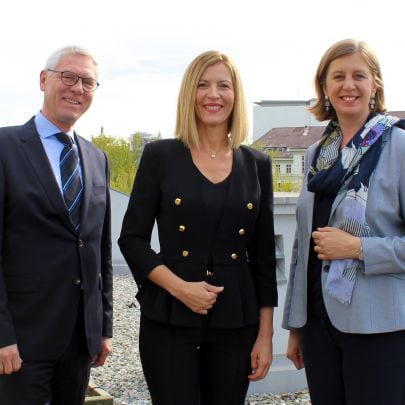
x=55, y=382
x=193, y=366
x=353, y=369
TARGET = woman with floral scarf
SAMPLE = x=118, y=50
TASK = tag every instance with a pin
x=345, y=303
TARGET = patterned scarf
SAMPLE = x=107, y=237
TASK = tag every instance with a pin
x=335, y=172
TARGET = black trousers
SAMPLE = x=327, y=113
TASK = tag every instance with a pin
x=54, y=382
x=352, y=369
x=196, y=366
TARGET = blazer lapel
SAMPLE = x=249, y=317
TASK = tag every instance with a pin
x=34, y=151
x=86, y=178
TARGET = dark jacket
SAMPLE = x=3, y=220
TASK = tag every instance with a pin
x=44, y=263
x=168, y=188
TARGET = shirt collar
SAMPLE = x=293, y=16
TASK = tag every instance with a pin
x=46, y=128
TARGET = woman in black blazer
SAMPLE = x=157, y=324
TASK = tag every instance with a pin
x=207, y=298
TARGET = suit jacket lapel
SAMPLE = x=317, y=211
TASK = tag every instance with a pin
x=34, y=151
x=86, y=178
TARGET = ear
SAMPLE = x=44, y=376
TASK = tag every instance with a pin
x=42, y=80
x=325, y=93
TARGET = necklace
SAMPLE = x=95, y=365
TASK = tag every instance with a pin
x=213, y=154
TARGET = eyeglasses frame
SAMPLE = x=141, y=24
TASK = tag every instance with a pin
x=78, y=78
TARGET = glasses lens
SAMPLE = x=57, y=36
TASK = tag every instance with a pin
x=89, y=84
x=69, y=78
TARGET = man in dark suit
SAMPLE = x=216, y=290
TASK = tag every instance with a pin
x=55, y=244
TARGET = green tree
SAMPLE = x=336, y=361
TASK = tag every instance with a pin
x=122, y=161
x=281, y=182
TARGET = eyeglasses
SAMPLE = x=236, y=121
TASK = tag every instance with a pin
x=70, y=79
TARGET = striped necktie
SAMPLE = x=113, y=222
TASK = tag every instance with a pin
x=71, y=181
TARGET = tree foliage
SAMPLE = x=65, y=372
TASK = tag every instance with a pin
x=281, y=182
x=123, y=156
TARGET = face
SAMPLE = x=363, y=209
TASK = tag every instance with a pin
x=64, y=105
x=215, y=97
x=350, y=85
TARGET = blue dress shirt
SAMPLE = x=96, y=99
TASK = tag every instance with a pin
x=53, y=147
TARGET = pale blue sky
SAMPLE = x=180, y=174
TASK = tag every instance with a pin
x=143, y=48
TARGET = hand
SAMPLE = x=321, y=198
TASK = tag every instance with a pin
x=198, y=296
x=10, y=360
x=294, y=350
x=332, y=244
x=261, y=358
x=105, y=350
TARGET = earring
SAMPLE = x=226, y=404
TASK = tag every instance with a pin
x=372, y=103
x=327, y=103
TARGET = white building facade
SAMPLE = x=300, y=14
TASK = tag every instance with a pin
x=268, y=114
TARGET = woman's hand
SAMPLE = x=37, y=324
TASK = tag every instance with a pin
x=333, y=243
x=200, y=296
x=261, y=355
x=294, y=349
x=261, y=358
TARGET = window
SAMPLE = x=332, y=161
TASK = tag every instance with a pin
x=278, y=168
x=288, y=169
x=302, y=164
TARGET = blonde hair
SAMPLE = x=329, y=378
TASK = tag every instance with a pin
x=337, y=50
x=186, y=126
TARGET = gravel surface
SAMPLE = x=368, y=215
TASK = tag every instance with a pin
x=122, y=376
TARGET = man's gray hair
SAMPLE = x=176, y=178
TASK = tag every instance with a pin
x=56, y=56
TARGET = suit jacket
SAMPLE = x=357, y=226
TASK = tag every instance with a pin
x=44, y=263
x=168, y=187
x=378, y=301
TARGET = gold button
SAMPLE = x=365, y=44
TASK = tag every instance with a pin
x=241, y=231
x=234, y=256
x=182, y=228
x=177, y=201
x=185, y=253
x=249, y=206
x=209, y=273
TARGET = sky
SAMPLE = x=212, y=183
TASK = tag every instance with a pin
x=144, y=46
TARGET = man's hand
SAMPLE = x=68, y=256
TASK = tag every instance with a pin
x=10, y=360
x=105, y=350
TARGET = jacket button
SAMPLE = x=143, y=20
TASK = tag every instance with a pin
x=209, y=273
x=241, y=231
x=80, y=243
x=77, y=281
x=185, y=253
x=177, y=201
x=234, y=256
x=249, y=206
x=182, y=228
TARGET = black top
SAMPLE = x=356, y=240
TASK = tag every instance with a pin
x=214, y=196
x=322, y=208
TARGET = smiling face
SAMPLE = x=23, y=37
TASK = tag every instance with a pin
x=64, y=105
x=215, y=97
x=349, y=85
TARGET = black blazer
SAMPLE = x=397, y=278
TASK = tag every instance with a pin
x=241, y=258
x=44, y=262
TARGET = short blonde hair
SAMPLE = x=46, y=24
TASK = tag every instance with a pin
x=186, y=126
x=337, y=50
